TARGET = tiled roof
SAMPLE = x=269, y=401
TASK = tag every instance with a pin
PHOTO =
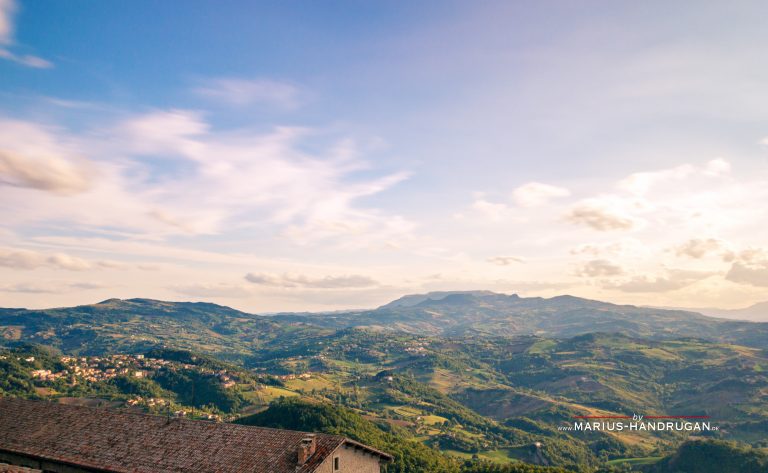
x=122, y=441
x=5, y=468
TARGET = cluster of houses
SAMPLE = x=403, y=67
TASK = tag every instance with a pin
x=101, y=368
x=288, y=377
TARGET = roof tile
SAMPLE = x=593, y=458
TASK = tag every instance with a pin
x=124, y=441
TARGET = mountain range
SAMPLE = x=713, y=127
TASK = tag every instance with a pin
x=485, y=313
x=140, y=324
x=754, y=313
x=469, y=373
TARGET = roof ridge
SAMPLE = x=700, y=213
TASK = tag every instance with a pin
x=128, y=411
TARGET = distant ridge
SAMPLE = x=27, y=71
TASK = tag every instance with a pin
x=755, y=313
x=416, y=299
x=487, y=313
x=139, y=324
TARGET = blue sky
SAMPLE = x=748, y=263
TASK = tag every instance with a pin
x=324, y=155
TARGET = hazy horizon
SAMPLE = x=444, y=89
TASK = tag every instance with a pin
x=272, y=158
x=734, y=314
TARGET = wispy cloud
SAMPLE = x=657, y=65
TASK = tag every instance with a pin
x=8, y=10
x=28, y=260
x=535, y=194
x=352, y=281
x=248, y=179
x=53, y=287
x=242, y=92
x=204, y=290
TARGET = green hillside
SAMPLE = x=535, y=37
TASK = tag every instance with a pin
x=409, y=454
x=713, y=457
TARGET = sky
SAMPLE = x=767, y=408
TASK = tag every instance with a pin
x=290, y=156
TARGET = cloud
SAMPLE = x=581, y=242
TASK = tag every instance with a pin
x=753, y=255
x=174, y=132
x=213, y=290
x=754, y=274
x=601, y=216
x=242, y=92
x=492, y=211
x=28, y=260
x=56, y=287
x=710, y=195
x=30, y=288
x=88, y=285
x=627, y=247
x=505, y=260
x=599, y=268
x=698, y=248
x=641, y=183
x=353, y=281
x=49, y=173
x=7, y=12
x=149, y=163
x=33, y=157
x=535, y=194
x=673, y=280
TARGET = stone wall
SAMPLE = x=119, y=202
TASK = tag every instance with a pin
x=351, y=460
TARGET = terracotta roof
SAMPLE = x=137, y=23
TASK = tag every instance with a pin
x=119, y=441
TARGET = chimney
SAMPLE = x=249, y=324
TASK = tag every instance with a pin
x=307, y=448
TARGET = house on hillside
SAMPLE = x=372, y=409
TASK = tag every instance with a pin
x=62, y=438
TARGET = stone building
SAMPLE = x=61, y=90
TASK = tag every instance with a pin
x=59, y=438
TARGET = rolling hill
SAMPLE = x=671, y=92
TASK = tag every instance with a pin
x=484, y=313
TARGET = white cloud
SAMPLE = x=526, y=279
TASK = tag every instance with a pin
x=242, y=92
x=168, y=172
x=34, y=157
x=535, y=194
x=351, y=281
x=164, y=132
x=7, y=12
x=495, y=212
x=643, y=182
